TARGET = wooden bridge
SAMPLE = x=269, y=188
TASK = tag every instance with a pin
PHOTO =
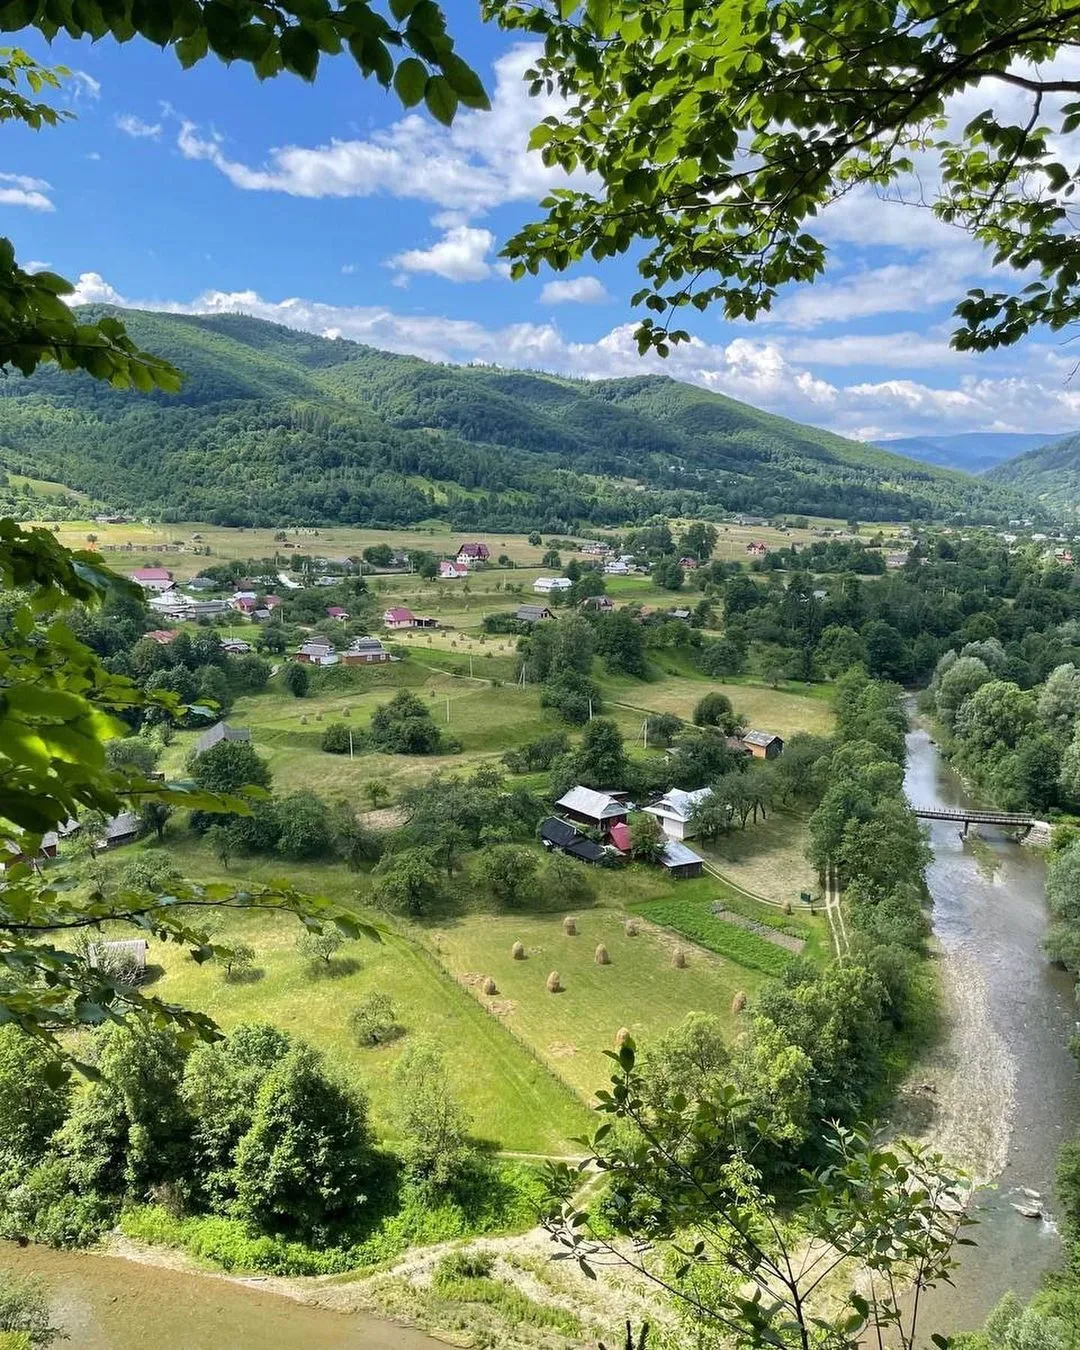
x=966, y=816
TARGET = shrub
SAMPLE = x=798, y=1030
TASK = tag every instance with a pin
x=336, y=739
x=296, y=678
x=469, y=1263
x=320, y=946
x=374, y=1021
x=24, y=1311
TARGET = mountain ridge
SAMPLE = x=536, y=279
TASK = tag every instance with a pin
x=972, y=452
x=274, y=424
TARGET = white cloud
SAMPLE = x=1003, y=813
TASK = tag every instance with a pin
x=134, y=126
x=18, y=189
x=92, y=289
x=478, y=163
x=578, y=290
x=460, y=255
x=83, y=85
x=35, y=265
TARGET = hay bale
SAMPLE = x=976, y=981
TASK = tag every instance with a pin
x=631, y=928
x=738, y=1003
x=346, y=712
x=303, y=719
x=490, y=986
x=678, y=959
x=601, y=955
x=569, y=926
x=623, y=1037
x=553, y=984
x=318, y=717
x=787, y=906
x=517, y=951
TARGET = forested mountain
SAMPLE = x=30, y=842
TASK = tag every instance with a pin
x=1050, y=474
x=279, y=426
x=970, y=451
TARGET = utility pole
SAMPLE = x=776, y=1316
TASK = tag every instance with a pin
x=350, y=744
x=448, y=707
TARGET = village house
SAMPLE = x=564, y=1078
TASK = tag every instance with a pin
x=121, y=829
x=201, y=584
x=271, y=602
x=617, y=568
x=316, y=654
x=756, y=548
x=452, y=571
x=556, y=833
x=469, y=554
x=594, y=549
x=235, y=646
x=599, y=810
x=399, y=617
x=532, y=613
x=156, y=579
x=546, y=585
x=163, y=636
x=600, y=603
x=221, y=731
x=1064, y=556
x=688, y=564
x=898, y=559
x=245, y=603
x=674, y=810
x=336, y=612
x=762, y=744
x=365, y=651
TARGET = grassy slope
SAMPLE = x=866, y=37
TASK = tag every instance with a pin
x=1051, y=473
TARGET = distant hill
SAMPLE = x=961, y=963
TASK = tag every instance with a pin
x=275, y=426
x=972, y=451
x=1050, y=474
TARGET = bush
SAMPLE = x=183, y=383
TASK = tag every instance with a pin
x=374, y=1021
x=296, y=678
x=337, y=739
x=322, y=946
x=469, y=1263
x=24, y=1311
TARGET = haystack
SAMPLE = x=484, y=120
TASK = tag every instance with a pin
x=738, y=1003
x=678, y=959
x=631, y=928
x=623, y=1037
x=601, y=955
x=569, y=925
x=553, y=984
x=517, y=951
x=490, y=987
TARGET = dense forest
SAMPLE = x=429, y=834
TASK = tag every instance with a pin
x=275, y=426
x=1050, y=473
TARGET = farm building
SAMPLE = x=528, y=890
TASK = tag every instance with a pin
x=620, y=837
x=122, y=829
x=532, y=613
x=617, y=568
x=399, y=617
x=473, y=553
x=235, y=646
x=688, y=564
x=681, y=862
x=336, y=612
x=599, y=810
x=201, y=584
x=121, y=952
x=600, y=603
x=221, y=731
x=365, y=651
x=757, y=549
x=156, y=579
x=555, y=833
x=545, y=585
x=452, y=571
x=674, y=810
x=762, y=744
x=163, y=636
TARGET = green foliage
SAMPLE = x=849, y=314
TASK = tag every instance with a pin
x=336, y=739
x=296, y=678
x=35, y=1094
x=509, y=871
x=302, y=1166
x=404, y=726
x=647, y=839
x=322, y=946
x=407, y=883
x=229, y=766
x=715, y=710
x=696, y=921
x=669, y=169
x=600, y=760
x=374, y=1021
x=24, y=1312
x=431, y=1125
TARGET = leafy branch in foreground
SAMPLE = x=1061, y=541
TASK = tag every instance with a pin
x=59, y=707
x=870, y=1230
x=719, y=130
x=407, y=49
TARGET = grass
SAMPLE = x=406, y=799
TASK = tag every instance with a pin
x=695, y=920
x=640, y=989
x=513, y=1100
x=768, y=858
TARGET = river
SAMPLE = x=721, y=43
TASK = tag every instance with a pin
x=1009, y=1092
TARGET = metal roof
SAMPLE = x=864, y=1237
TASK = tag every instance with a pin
x=558, y=832
x=589, y=803
x=763, y=738
x=679, y=803
x=678, y=855
x=221, y=731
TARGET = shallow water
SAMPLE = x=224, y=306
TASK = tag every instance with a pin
x=107, y=1303
x=989, y=916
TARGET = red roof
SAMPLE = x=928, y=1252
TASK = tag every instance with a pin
x=620, y=836
x=163, y=635
x=151, y=574
x=336, y=612
x=271, y=601
x=399, y=615
x=246, y=604
x=474, y=551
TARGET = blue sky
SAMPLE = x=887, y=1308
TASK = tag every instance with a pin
x=329, y=208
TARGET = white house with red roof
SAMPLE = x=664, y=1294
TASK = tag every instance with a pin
x=336, y=612
x=156, y=579
x=452, y=571
x=399, y=617
x=473, y=553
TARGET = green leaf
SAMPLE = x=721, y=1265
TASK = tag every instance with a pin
x=410, y=81
x=441, y=100
x=300, y=52
x=401, y=9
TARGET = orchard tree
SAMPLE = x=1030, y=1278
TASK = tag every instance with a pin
x=431, y=1124
x=229, y=766
x=647, y=838
x=718, y=133
x=509, y=873
x=318, y=946
x=715, y=710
